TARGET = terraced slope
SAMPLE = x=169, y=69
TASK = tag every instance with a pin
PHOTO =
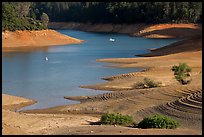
x=187, y=109
x=130, y=101
x=188, y=106
x=181, y=102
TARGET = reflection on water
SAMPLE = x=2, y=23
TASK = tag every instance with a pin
x=25, y=49
x=26, y=73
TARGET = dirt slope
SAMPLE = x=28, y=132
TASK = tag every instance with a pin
x=187, y=45
x=140, y=30
x=33, y=39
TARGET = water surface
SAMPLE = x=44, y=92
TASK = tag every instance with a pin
x=27, y=74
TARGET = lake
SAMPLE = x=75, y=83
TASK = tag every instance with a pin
x=27, y=74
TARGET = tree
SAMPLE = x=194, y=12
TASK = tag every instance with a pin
x=109, y=12
x=12, y=21
x=22, y=8
x=122, y=12
x=8, y=16
x=182, y=73
x=45, y=19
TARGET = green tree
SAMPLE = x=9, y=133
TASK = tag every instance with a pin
x=8, y=16
x=107, y=12
x=11, y=20
x=181, y=72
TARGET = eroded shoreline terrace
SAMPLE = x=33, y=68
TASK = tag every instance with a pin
x=92, y=106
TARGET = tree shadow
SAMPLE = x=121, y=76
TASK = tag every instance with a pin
x=94, y=123
x=176, y=32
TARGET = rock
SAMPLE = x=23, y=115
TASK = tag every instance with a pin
x=161, y=85
x=145, y=86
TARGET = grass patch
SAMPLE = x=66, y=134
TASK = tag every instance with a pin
x=147, y=83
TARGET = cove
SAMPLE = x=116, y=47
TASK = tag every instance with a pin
x=27, y=74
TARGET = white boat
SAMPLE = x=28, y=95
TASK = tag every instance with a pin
x=112, y=39
x=46, y=59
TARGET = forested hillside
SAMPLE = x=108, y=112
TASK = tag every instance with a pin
x=36, y=15
x=19, y=16
x=122, y=12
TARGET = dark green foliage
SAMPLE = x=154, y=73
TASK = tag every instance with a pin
x=181, y=72
x=8, y=16
x=158, y=121
x=16, y=16
x=122, y=12
x=147, y=84
x=116, y=119
x=98, y=12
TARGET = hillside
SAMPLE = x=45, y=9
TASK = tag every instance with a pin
x=188, y=45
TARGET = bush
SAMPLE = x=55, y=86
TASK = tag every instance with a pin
x=158, y=121
x=181, y=72
x=116, y=119
x=147, y=84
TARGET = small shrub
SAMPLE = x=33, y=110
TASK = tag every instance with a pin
x=158, y=121
x=182, y=72
x=116, y=119
x=147, y=84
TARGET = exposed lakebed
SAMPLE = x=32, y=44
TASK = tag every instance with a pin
x=27, y=74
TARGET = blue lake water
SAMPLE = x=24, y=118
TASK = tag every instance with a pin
x=27, y=74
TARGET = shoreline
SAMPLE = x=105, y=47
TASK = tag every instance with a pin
x=54, y=121
x=139, y=30
x=13, y=103
x=136, y=102
x=31, y=40
x=18, y=123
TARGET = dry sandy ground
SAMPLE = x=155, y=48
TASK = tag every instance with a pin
x=22, y=123
x=21, y=40
x=140, y=30
x=76, y=118
x=18, y=123
x=157, y=68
